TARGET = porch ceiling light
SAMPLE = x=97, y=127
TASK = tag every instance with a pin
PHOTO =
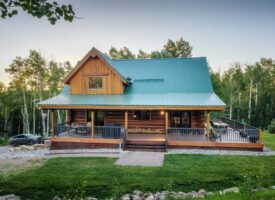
x=162, y=112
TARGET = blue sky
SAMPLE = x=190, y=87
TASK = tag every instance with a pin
x=225, y=31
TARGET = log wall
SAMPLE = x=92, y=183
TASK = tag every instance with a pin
x=197, y=119
x=157, y=120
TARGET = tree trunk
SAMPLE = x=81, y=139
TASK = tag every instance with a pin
x=249, y=103
x=25, y=113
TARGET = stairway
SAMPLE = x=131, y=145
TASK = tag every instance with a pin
x=145, y=145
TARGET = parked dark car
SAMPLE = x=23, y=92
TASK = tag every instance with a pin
x=25, y=139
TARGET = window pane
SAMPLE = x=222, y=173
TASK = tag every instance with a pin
x=95, y=83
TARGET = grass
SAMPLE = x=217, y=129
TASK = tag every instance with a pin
x=102, y=177
x=4, y=141
x=269, y=140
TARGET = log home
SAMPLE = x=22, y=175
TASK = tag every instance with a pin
x=141, y=104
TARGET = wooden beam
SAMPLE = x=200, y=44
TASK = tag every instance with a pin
x=126, y=122
x=52, y=120
x=208, y=125
x=92, y=123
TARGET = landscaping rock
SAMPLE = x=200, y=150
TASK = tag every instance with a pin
x=147, y=194
x=202, y=192
x=159, y=196
x=137, y=197
x=56, y=198
x=9, y=197
x=39, y=146
x=209, y=193
x=90, y=198
x=137, y=192
x=150, y=197
x=126, y=197
x=272, y=187
x=11, y=149
x=26, y=148
x=47, y=143
x=231, y=190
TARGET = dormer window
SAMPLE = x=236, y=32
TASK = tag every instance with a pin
x=95, y=82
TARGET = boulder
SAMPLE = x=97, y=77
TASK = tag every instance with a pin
x=209, y=193
x=146, y=194
x=39, y=146
x=9, y=197
x=26, y=148
x=272, y=187
x=56, y=198
x=159, y=196
x=90, y=198
x=231, y=190
x=150, y=197
x=180, y=195
x=126, y=197
x=202, y=192
x=11, y=149
x=47, y=143
x=137, y=197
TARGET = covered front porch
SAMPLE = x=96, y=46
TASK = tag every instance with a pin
x=177, y=129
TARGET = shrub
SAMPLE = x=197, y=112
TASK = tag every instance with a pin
x=271, y=127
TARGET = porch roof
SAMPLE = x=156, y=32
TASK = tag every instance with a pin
x=133, y=100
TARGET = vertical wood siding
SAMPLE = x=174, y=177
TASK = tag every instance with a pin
x=112, y=83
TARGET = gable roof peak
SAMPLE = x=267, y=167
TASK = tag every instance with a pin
x=93, y=53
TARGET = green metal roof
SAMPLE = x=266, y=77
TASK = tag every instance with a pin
x=183, y=75
x=159, y=82
x=166, y=99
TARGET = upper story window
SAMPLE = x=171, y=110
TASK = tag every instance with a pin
x=95, y=83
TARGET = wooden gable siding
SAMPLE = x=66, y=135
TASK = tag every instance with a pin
x=157, y=120
x=197, y=119
x=112, y=83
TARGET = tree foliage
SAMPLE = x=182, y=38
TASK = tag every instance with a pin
x=33, y=79
x=172, y=49
x=249, y=90
x=37, y=8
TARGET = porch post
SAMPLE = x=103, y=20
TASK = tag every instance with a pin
x=166, y=123
x=52, y=120
x=166, y=120
x=208, y=125
x=126, y=122
x=92, y=123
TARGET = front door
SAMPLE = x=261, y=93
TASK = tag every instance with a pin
x=181, y=119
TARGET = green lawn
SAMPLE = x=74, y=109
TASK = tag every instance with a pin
x=187, y=173
x=269, y=140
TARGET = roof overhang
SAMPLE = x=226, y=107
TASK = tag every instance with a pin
x=100, y=107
